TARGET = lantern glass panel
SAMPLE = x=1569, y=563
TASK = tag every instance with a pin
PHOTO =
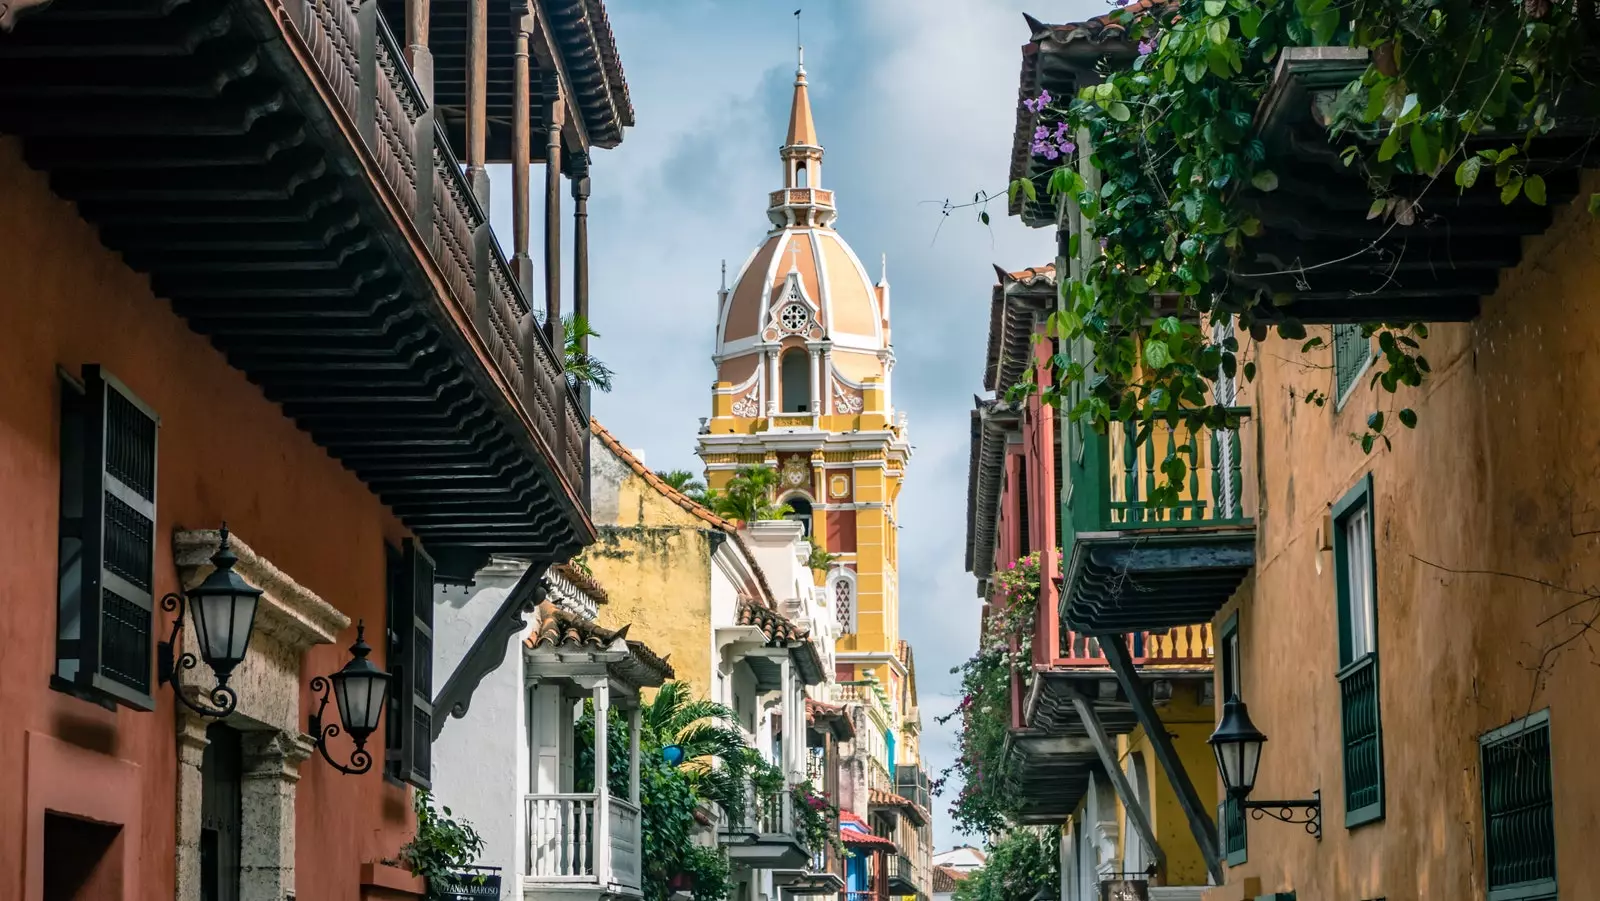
x=223, y=623
x=360, y=696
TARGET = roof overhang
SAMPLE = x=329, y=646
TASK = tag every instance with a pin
x=995, y=425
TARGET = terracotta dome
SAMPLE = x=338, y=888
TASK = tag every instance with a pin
x=804, y=287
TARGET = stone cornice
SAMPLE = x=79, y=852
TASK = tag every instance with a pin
x=289, y=612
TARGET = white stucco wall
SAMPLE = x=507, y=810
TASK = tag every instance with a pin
x=480, y=762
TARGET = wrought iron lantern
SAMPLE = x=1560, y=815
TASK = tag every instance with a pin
x=224, y=609
x=359, y=691
x=1237, y=744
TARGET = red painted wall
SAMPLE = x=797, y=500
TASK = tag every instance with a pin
x=1036, y=457
x=224, y=451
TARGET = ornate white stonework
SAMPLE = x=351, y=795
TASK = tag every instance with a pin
x=795, y=473
x=747, y=406
x=844, y=401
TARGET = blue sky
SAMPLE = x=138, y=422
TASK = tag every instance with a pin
x=914, y=103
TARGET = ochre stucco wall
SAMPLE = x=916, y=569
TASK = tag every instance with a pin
x=1499, y=475
x=1189, y=723
x=654, y=560
x=224, y=451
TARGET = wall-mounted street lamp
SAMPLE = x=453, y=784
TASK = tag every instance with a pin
x=1237, y=743
x=224, y=610
x=359, y=691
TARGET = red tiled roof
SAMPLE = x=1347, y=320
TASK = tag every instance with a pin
x=837, y=717
x=945, y=879
x=861, y=839
x=559, y=628
x=881, y=798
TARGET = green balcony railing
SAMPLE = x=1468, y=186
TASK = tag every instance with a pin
x=1152, y=475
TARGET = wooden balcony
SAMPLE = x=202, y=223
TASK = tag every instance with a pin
x=898, y=871
x=1180, y=647
x=1135, y=559
x=580, y=848
x=824, y=874
x=280, y=176
x=763, y=836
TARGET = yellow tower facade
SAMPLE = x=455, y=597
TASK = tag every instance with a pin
x=804, y=372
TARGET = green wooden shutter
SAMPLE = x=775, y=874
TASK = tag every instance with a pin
x=398, y=611
x=1519, y=810
x=1351, y=349
x=414, y=684
x=118, y=526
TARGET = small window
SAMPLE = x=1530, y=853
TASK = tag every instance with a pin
x=1352, y=350
x=1356, y=587
x=844, y=604
x=106, y=549
x=1519, y=810
x=796, y=375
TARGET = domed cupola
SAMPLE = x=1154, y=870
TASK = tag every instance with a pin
x=803, y=328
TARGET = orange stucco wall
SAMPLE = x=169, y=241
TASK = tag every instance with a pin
x=224, y=451
x=1499, y=476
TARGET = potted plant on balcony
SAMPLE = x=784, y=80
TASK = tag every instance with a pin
x=442, y=852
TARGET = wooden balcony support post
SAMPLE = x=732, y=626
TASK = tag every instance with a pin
x=602, y=788
x=552, y=222
x=418, y=56
x=633, y=755
x=880, y=885
x=580, y=243
x=478, y=99
x=521, y=160
x=1107, y=751
x=1144, y=710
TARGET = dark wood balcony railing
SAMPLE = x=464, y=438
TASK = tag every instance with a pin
x=365, y=67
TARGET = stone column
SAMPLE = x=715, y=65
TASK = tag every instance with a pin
x=266, y=855
x=773, y=382
x=192, y=744
x=816, y=379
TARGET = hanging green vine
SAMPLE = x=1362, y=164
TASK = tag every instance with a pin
x=1173, y=144
x=989, y=795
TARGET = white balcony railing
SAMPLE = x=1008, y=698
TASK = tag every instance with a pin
x=561, y=837
x=569, y=843
x=626, y=844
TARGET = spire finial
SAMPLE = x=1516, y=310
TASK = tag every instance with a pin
x=724, y=274
x=800, y=64
x=883, y=269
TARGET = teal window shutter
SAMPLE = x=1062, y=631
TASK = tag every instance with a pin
x=1355, y=577
x=1519, y=810
x=1351, y=351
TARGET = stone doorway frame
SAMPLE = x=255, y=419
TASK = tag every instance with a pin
x=290, y=620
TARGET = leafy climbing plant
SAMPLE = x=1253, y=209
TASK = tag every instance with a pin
x=1020, y=863
x=990, y=796
x=441, y=846
x=1173, y=145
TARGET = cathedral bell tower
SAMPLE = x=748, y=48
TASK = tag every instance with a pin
x=803, y=385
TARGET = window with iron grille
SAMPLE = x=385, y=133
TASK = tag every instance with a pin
x=409, y=731
x=1519, y=810
x=1355, y=566
x=1351, y=352
x=106, y=547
